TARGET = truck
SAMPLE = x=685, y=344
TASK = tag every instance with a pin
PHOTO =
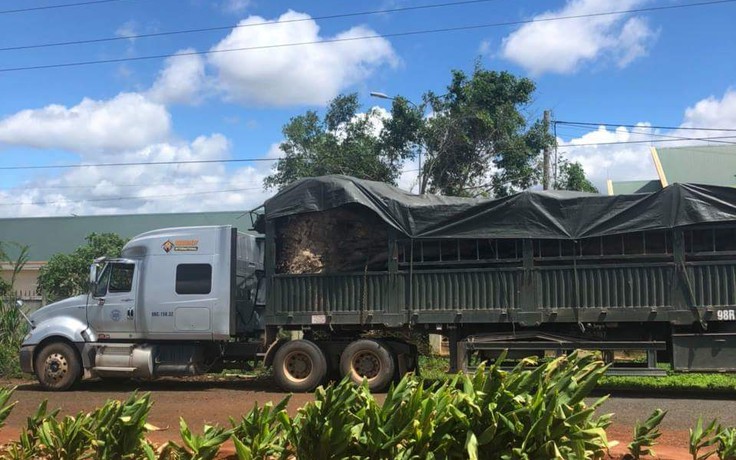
x=338, y=275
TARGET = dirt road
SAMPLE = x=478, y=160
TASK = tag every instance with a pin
x=210, y=401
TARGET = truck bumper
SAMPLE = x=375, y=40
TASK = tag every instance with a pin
x=26, y=358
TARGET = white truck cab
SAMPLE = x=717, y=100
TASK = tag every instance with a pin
x=167, y=306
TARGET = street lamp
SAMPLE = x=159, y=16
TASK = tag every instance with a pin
x=380, y=95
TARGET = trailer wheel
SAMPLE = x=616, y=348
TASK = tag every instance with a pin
x=299, y=366
x=58, y=366
x=370, y=360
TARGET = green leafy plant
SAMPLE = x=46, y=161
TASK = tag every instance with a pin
x=702, y=438
x=119, y=428
x=5, y=406
x=260, y=433
x=326, y=427
x=13, y=328
x=200, y=447
x=66, y=439
x=726, y=449
x=646, y=434
x=27, y=446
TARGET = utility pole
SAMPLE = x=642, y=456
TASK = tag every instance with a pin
x=546, y=164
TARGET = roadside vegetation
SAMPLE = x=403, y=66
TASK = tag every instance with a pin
x=13, y=328
x=529, y=412
x=525, y=413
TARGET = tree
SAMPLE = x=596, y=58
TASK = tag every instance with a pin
x=345, y=141
x=66, y=275
x=572, y=177
x=477, y=141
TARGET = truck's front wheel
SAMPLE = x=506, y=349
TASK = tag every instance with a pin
x=299, y=366
x=57, y=366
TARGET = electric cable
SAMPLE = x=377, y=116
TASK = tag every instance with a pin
x=365, y=37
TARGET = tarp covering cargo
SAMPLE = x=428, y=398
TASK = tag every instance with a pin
x=529, y=214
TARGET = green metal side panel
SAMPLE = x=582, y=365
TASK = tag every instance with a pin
x=713, y=284
x=627, y=292
x=451, y=290
x=320, y=294
x=605, y=286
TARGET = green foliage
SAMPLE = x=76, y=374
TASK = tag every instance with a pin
x=66, y=275
x=13, y=327
x=345, y=142
x=20, y=260
x=726, y=449
x=28, y=445
x=115, y=431
x=199, y=447
x=646, y=434
x=119, y=428
x=65, y=439
x=327, y=427
x=675, y=382
x=525, y=413
x=5, y=406
x=478, y=130
x=259, y=435
x=703, y=438
x=572, y=177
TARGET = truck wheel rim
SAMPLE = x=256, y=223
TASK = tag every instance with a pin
x=366, y=364
x=56, y=366
x=297, y=366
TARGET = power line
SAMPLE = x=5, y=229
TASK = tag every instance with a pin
x=580, y=123
x=651, y=141
x=53, y=7
x=716, y=139
x=239, y=26
x=139, y=163
x=109, y=185
x=124, y=198
x=366, y=37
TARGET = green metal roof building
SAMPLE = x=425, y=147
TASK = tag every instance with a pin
x=711, y=165
x=46, y=236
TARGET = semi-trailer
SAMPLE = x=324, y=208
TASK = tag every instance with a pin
x=356, y=267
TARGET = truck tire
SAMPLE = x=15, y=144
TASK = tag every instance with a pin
x=370, y=360
x=57, y=366
x=299, y=366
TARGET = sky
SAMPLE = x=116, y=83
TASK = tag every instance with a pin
x=226, y=93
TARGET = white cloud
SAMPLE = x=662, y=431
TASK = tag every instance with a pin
x=180, y=81
x=564, y=46
x=712, y=112
x=146, y=189
x=128, y=30
x=235, y=6
x=128, y=121
x=288, y=75
x=633, y=161
x=611, y=161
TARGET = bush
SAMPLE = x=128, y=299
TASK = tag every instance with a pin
x=13, y=328
x=525, y=413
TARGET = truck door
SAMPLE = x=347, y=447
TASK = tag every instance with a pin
x=112, y=310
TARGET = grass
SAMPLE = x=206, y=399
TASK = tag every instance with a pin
x=675, y=382
x=434, y=368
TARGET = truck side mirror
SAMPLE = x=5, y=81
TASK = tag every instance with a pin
x=93, y=276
